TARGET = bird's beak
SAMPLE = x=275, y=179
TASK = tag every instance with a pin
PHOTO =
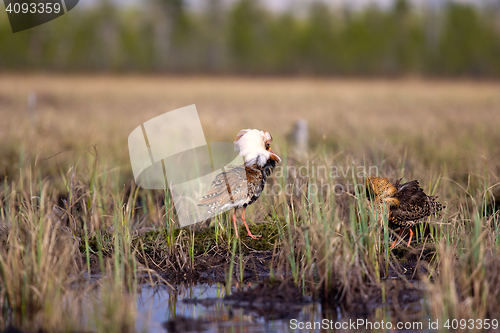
x=274, y=157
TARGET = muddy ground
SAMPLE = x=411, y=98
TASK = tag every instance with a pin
x=277, y=298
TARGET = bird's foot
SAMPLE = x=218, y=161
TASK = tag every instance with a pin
x=254, y=236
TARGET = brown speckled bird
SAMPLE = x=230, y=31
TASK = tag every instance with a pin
x=406, y=204
x=239, y=186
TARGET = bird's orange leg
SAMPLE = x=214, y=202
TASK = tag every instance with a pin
x=234, y=221
x=400, y=233
x=249, y=233
x=411, y=235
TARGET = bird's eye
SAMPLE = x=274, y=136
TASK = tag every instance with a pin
x=268, y=146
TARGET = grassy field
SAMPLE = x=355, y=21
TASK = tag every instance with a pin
x=68, y=203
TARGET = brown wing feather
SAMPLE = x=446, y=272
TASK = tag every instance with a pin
x=236, y=187
x=228, y=188
x=407, y=202
x=414, y=204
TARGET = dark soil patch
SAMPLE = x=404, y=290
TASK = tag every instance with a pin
x=411, y=262
x=183, y=324
x=402, y=299
x=215, y=267
x=270, y=299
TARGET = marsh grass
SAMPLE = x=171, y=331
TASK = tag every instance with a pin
x=69, y=209
x=39, y=258
x=45, y=264
x=466, y=284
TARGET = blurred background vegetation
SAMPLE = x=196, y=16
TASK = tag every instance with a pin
x=246, y=37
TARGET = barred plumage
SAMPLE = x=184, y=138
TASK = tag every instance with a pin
x=406, y=204
x=236, y=187
x=239, y=186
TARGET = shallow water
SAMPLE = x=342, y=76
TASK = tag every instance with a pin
x=156, y=306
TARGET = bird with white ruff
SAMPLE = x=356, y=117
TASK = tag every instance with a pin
x=239, y=186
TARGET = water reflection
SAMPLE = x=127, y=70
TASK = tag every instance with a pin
x=203, y=309
x=156, y=306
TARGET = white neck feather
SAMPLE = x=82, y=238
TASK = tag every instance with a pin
x=251, y=146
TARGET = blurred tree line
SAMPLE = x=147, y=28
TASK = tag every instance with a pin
x=245, y=38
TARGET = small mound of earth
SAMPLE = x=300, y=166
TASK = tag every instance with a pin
x=183, y=324
x=271, y=299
